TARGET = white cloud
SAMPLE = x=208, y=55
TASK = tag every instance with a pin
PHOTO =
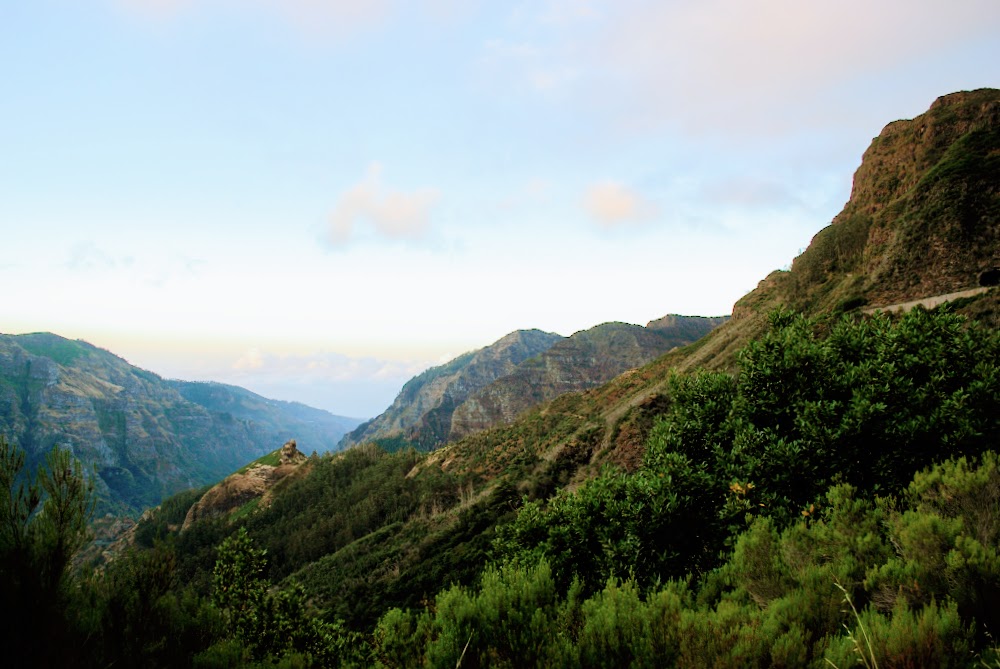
x=392, y=214
x=252, y=359
x=611, y=203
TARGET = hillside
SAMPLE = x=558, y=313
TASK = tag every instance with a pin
x=743, y=465
x=568, y=439
x=146, y=436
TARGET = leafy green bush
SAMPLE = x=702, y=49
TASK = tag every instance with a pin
x=867, y=402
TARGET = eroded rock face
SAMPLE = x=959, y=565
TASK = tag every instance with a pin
x=290, y=454
x=242, y=487
x=494, y=385
x=422, y=412
x=924, y=202
x=580, y=362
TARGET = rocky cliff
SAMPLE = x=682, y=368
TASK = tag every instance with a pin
x=422, y=412
x=146, y=437
x=923, y=218
x=581, y=361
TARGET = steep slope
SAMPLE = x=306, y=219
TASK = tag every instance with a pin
x=422, y=412
x=933, y=191
x=570, y=438
x=923, y=220
x=146, y=437
x=583, y=360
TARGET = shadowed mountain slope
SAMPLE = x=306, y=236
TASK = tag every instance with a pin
x=146, y=437
x=584, y=360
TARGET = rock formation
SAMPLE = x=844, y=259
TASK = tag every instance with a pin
x=242, y=487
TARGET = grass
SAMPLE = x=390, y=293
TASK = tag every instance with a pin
x=272, y=459
x=43, y=344
x=868, y=658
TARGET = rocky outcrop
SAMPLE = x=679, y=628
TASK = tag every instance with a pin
x=922, y=223
x=147, y=437
x=924, y=213
x=244, y=486
x=421, y=414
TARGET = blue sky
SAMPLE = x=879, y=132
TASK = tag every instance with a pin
x=317, y=199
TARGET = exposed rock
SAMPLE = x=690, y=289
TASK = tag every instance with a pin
x=239, y=488
x=582, y=361
x=422, y=412
x=290, y=454
x=923, y=215
x=495, y=384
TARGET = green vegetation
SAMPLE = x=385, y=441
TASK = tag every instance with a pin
x=778, y=600
x=759, y=499
x=837, y=498
x=62, y=351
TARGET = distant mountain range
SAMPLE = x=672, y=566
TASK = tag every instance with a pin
x=147, y=437
x=493, y=385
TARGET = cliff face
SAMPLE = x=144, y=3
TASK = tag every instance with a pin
x=422, y=412
x=923, y=220
x=924, y=213
x=584, y=360
x=146, y=437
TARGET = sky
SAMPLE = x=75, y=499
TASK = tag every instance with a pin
x=318, y=199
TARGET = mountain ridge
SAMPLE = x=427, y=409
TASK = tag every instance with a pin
x=145, y=438
x=421, y=412
x=493, y=385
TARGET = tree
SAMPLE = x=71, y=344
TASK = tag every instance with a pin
x=275, y=624
x=43, y=523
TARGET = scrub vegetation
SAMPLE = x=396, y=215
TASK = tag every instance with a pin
x=838, y=494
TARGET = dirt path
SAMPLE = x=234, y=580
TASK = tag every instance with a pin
x=928, y=302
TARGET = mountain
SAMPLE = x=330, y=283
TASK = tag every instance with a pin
x=581, y=361
x=368, y=530
x=494, y=384
x=923, y=221
x=421, y=413
x=147, y=437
